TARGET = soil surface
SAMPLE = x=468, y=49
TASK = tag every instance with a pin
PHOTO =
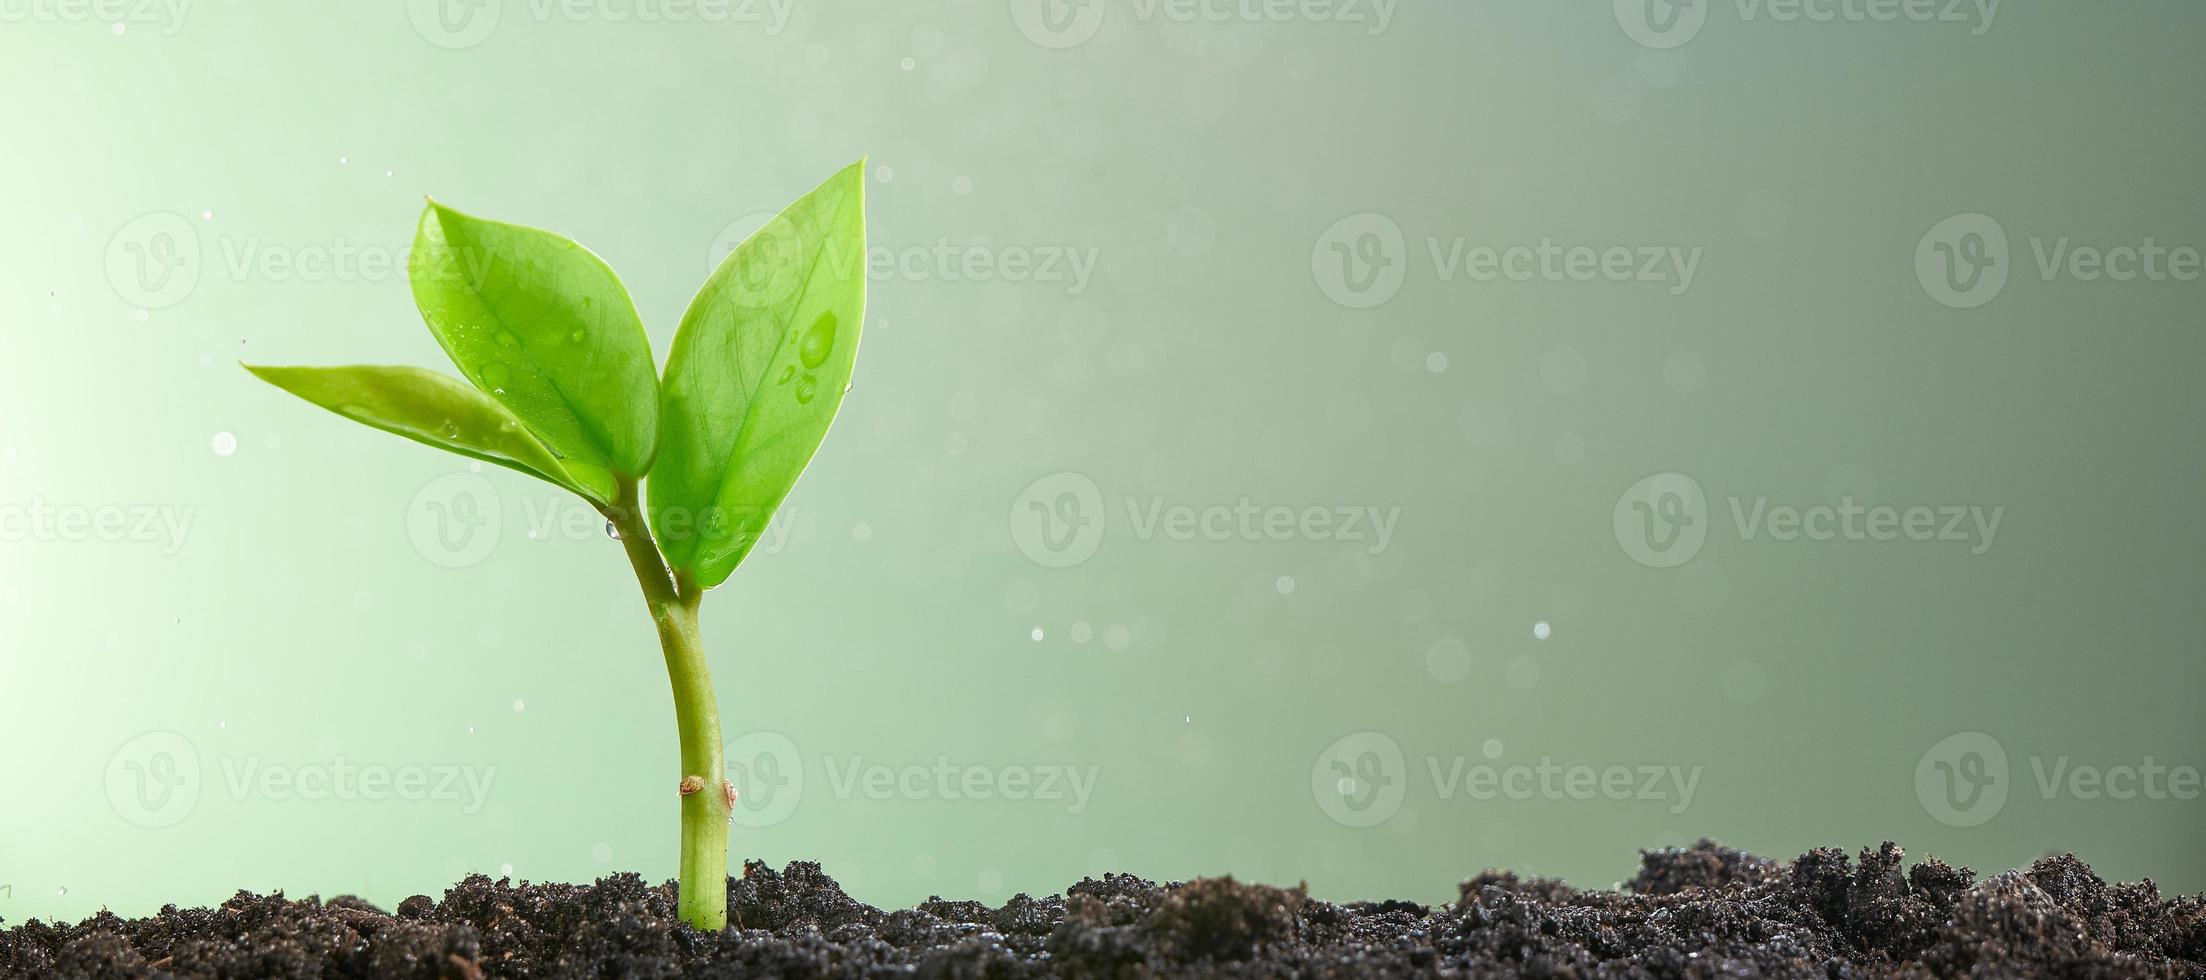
x=1702, y=911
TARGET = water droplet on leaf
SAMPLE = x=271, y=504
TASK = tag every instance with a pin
x=611, y=531
x=818, y=341
x=805, y=390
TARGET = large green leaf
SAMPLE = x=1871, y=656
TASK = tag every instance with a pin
x=547, y=329
x=440, y=411
x=758, y=369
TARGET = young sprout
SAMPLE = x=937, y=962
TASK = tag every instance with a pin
x=564, y=388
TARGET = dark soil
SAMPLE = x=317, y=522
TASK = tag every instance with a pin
x=1703, y=911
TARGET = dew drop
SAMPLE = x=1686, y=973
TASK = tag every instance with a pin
x=806, y=387
x=818, y=341
x=611, y=531
x=787, y=373
x=507, y=339
x=847, y=385
x=578, y=336
x=496, y=375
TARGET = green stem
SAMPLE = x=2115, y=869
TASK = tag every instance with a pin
x=703, y=898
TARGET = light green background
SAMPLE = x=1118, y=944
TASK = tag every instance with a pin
x=1200, y=162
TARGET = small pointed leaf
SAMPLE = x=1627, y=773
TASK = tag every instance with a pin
x=547, y=329
x=440, y=411
x=758, y=370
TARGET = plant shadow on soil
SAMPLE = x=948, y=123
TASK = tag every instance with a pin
x=1700, y=911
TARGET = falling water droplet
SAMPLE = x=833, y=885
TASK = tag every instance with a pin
x=611, y=531
x=818, y=341
x=805, y=389
x=1541, y=630
x=62, y=891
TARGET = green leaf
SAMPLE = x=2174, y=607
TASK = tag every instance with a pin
x=547, y=329
x=758, y=370
x=440, y=411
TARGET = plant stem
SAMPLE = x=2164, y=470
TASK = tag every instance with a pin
x=703, y=896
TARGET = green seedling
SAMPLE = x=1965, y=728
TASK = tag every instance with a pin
x=564, y=389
